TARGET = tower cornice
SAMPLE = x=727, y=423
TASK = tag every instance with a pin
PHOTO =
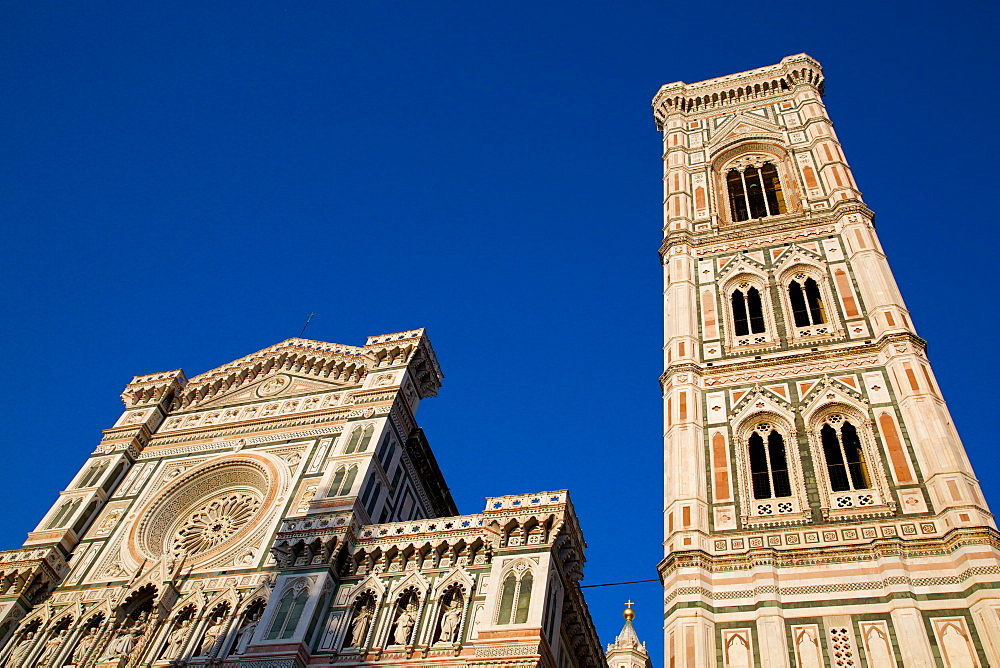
x=795, y=357
x=743, y=89
x=763, y=231
x=877, y=548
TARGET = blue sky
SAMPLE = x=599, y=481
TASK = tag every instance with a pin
x=181, y=183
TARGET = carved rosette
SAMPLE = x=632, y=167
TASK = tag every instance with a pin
x=216, y=522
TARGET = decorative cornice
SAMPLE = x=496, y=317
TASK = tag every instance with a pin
x=736, y=91
x=790, y=364
x=304, y=357
x=827, y=555
x=242, y=442
x=763, y=232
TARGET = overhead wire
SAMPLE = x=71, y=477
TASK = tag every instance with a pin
x=612, y=584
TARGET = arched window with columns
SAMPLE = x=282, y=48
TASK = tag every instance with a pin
x=343, y=480
x=768, y=464
x=747, y=309
x=754, y=191
x=360, y=438
x=807, y=303
x=515, y=597
x=845, y=458
x=748, y=313
x=289, y=610
x=806, y=296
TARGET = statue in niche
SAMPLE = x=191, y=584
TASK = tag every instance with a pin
x=79, y=652
x=405, y=622
x=175, y=641
x=21, y=651
x=51, y=646
x=246, y=633
x=212, y=635
x=128, y=637
x=451, y=619
x=361, y=623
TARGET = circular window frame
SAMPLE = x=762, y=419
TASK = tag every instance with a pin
x=153, y=534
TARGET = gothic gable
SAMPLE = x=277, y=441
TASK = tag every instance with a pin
x=796, y=255
x=758, y=401
x=456, y=576
x=740, y=268
x=277, y=385
x=831, y=391
x=745, y=125
x=322, y=363
x=414, y=580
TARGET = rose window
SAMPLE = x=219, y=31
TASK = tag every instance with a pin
x=207, y=511
x=215, y=522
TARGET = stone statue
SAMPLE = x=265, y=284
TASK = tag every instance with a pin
x=128, y=637
x=404, y=624
x=82, y=647
x=23, y=646
x=123, y=644
x=246, y=634
x=172, y=650
x=451, y=620
x=360, y=624
x=51, y=646
x=212, y=635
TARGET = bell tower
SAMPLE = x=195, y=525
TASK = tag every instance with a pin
x=819, y=507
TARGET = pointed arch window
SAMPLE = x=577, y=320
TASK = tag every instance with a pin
x=343, y=480
x=366, y=438
x=807, y=302
x=352, y=443
x=845, y=458
x=111, y=479
x=755, y=192
x=360, y=438
x=515, y=599
x=286, y=617
x=768, y=464
x=66, y=510
x=748, y=312
x=94, y=473
x=84, y=517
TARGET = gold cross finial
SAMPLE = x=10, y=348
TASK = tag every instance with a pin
x=629, y=603
x=629, y=613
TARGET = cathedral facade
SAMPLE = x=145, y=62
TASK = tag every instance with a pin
x=286, y=510
x=819, y=507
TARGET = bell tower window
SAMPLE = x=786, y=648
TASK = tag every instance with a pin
x=845, y=460
x=748, y=314
x=768, y=465
x=755, y=192
x=807, y=303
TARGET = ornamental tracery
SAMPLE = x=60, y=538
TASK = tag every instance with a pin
x=755, y=160
x=747, y=310
x=770, y=476
x=754, y=189
x=846, y=458
x=208, y=510
x=807, y=298
x=215, y=522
